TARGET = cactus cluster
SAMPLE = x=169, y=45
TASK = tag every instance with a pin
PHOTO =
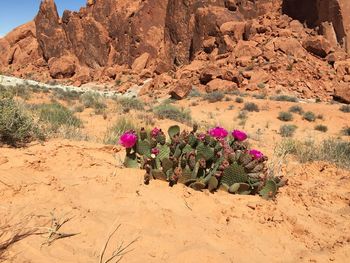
x=214, y=160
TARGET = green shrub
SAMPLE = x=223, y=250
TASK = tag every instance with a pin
x=321, y=128
x=93, y=100
x=309, y=116
x=296, y=109
x=122, y=125
x=131, y=103
x=168, y=111
x=284, y=98
x=16, y=124
x=288, y=130
x=194, y=93
x=285, y=116
x=239, y=100
x=331, y=150
x=251, y=106
x=55, y=116
x=67, y=95
x=259, y=96
x=345, y=108
x=214, y=96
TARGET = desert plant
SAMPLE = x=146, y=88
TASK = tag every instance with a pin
x=309, y=116
x=285, y=116
x=259, y=96
x=287, y=130
x=130, y=103
x=239, y=99
x=55, y=116
x=251, y=106
x=168, y=111
x=214, y=96
x=321, y=128
x=194, y=93
x=296, y=109
x=345, y=108
x=209, y=160
x=122, y=125
x=17, y=126
x=284, y=98
x=261, y=85
x=67, y=95
x=93, y=100
x=346, y=131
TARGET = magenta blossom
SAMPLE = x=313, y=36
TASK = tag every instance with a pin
x=239, y=135
x=155, y=132
x=128, y=139
x=218, y=132
x=201, y=136
x=256, y=154
x=155, y=151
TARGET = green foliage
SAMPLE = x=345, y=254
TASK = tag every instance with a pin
x=284, y=98
x=288, y=130
x=214, y=96
x=122, y=125
x=296, y=109
x=309, y=116
x=67, y=95
x=93, y=100
x=345, y=108
x=17, y=126
x=131, y=103
x=56, y=116
x=331, y=150
x=21, y=91
x=168, y=111
x=285, y=116
x=251, y=106
x=321, y=128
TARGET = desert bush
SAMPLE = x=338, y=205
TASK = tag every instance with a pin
x=214, y=96
x=284, y=98
x=168, y=111
x=122, y=125
x=345, y=108
x=239, y=100
x=67, y=95
x=285, y=116
x=259, y=96
x=309, y=116
x=130, y=103
x=93, y=100
x=17, y=126
x=287, y=130
x=331, y=150
x=55, y=116
x=251, y=106
x=194, y=93
x=321, y=128
x=296, y=109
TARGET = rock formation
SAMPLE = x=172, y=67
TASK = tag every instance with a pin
x=150, y=38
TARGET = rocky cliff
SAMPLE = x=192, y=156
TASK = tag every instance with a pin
x=242, y=43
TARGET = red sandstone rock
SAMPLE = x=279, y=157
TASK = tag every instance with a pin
x=317, y=45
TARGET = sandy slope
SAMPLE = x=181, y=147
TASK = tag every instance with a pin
x=309, y=221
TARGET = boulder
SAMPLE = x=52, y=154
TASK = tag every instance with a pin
x=63, y=67
x=209, y=73
x=247, y=49
x=235, y=29
x=289, y=46
x=342, y=92
x=221, y=85
x=181, y=89
x=317, y=45
x=140, y=63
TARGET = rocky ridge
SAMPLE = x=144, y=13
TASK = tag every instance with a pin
x=261, y=45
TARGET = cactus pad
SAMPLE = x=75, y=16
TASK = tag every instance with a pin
x=173, y=130
x=269, y=190
x=234, y=174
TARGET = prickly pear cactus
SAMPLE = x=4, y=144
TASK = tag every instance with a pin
x=214, y=160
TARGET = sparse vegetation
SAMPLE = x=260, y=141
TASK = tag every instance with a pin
x=168, y=111
x=194, y=93
x=346, y=131
x=17, y=126
x=309, y=116
x=287, y=130
x=285, y=116
x=345, y=108
x=130, y=103
x=261, y=85
x=239, y=100
x=94, y=100
x=259, y=96
x=284, y=98
x=214, y=96
x=122, y=125
x=331, y=150
x=296, y=109
x=251, y=106
x=67, y=95
x=321, y=128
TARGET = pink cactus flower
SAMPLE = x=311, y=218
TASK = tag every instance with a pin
x=128, y=139
x=201, y=136
x=256, y=154
x=218, y=132
x=155, y=151
x=155, y=132
x=239, y=135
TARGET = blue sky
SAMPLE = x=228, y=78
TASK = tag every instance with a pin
x=17, y=12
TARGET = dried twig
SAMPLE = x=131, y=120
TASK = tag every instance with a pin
x=119, y=252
